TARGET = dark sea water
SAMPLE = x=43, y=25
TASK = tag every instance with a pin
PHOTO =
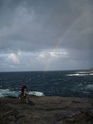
x=51, y=83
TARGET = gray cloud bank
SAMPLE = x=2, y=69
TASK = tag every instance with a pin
x=31, y=29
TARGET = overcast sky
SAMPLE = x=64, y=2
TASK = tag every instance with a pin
x=41, y=35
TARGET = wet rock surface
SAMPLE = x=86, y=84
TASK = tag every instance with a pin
x=46, y=110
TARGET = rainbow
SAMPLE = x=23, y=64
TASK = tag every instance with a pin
x=66, y=33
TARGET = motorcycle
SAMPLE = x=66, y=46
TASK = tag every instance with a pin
x=23, y=97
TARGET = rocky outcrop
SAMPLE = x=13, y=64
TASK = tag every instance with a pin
x=46, y=110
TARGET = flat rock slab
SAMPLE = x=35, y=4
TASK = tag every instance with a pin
x=46, y=110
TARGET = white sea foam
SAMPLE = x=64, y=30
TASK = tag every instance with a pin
x=7, y=92
x=36, y=93
x=90, y=86
x=91, y=74
x=79, y=74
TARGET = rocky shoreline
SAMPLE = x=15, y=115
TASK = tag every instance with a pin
x=46, y=110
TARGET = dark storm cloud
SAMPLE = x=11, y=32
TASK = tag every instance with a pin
x=37, y=25
x=31, y=25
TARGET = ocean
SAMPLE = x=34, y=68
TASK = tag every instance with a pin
x=49, y=83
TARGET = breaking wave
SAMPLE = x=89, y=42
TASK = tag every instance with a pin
x=81, y=74
x=7, y=92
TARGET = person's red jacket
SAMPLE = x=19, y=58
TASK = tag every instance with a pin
x=23, y=87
